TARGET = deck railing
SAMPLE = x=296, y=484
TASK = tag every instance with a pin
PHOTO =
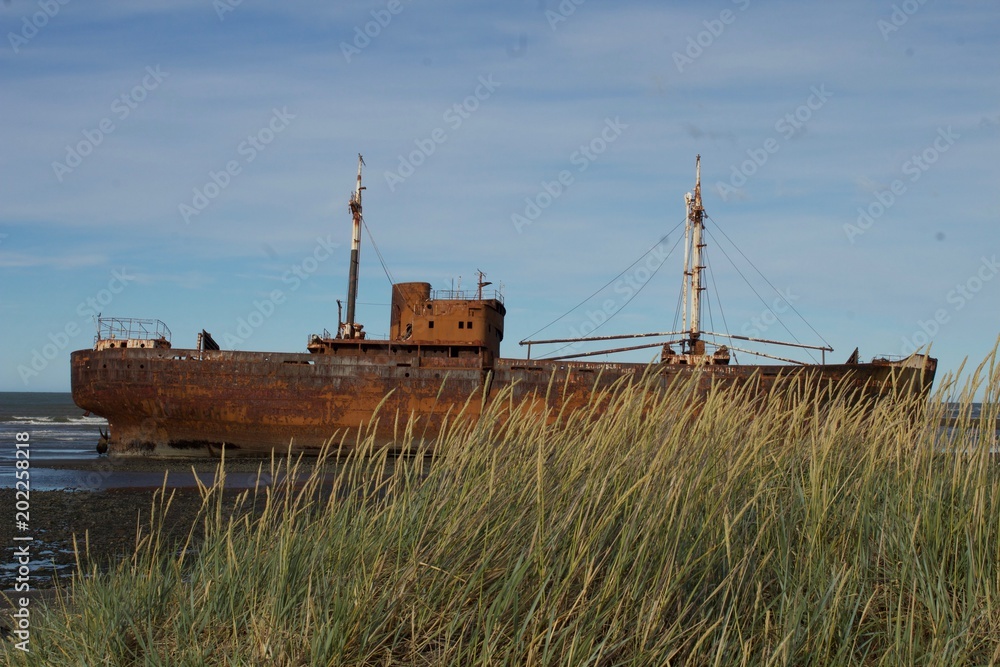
x=466, y=295
x=130, y=328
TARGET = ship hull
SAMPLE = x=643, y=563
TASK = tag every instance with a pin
x=165, y=402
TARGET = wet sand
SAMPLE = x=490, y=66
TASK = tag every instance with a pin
x=101, y=473
x=101, y=502
x=105, y=521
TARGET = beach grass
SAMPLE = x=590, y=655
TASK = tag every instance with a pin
x=645, y=530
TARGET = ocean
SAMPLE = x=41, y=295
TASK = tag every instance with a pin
x=61, y=436
x=57, y=430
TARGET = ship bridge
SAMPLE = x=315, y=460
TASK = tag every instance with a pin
x=466, y=325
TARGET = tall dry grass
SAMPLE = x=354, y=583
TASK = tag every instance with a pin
x=741, y=532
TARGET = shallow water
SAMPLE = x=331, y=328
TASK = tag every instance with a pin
x=62, y=451
x=56, y=428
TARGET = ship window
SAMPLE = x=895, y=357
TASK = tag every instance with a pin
x=461, y=325
x=430, y=324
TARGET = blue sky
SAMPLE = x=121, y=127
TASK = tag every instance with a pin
x=192, y=161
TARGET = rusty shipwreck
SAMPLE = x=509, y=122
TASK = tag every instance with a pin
x=443, y=348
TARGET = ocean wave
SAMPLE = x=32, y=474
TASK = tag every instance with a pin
x=21, y=420
x=53, y=434
x=27, y=421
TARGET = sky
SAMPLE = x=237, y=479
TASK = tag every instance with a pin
x=192, y=161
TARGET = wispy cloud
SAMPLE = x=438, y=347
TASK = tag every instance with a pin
x=15, y=260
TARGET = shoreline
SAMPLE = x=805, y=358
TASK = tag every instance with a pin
x=104, y=473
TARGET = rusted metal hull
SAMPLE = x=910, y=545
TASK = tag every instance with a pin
x=166, y=402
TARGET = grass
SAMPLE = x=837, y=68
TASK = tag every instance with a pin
x=738, y=532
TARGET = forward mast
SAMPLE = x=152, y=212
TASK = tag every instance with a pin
x=351, y=329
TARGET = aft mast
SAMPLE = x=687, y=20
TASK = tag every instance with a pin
x=690, y=337
x=692, y=345
x=350, y=328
